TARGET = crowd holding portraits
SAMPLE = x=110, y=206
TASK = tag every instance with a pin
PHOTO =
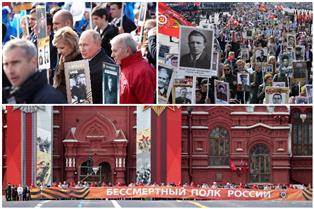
x=254, y=48
x=63, y=32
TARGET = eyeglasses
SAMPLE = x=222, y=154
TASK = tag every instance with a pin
x=226, y=69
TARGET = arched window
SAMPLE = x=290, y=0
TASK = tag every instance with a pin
x=302, y=133
x=219, y=147
x=259, y=164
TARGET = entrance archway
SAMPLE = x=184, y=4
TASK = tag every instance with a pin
x=259, y=164
x=86, y=173
x=106, y=173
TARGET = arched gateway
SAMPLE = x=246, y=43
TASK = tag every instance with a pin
x=97, y=146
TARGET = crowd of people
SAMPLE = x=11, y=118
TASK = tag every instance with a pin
x=17, y=193
x=107, y=33
x=263, y=49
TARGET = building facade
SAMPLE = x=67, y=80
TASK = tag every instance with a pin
x=255, y=144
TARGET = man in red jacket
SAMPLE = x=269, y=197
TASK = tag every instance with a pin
x=137, y=76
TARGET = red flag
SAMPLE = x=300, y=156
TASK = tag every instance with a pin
x=262, y=7
x=169, y=21
x=232, y=166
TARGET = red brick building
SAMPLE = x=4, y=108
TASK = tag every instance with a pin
x=264, y=144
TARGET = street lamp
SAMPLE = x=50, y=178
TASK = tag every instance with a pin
x=190, y=109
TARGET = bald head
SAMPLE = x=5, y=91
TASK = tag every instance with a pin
x=90, y=44
x=61, y=19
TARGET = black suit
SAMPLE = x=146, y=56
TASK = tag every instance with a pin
x=202, y=62
x=127, y=25
x=109, y=33
x=96, y=69
x=110, y=97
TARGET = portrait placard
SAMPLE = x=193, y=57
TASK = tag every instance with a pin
x=196, y=51
x=78, y=85
x=166, y=76
x=276, y=95
x=110, y=83
x=222, y=93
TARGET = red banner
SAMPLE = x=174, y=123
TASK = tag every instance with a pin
x=169, y=192
x=169, y=21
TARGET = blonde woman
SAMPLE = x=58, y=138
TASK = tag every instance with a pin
x=66, y=42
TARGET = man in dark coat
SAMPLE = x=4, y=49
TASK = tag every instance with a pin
x=116, y=12
x=107, y=31
x=198, y=57
x=90, y=48
x=8, y=192
x=28, y=84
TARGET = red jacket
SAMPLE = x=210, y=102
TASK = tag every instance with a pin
x=137, y=80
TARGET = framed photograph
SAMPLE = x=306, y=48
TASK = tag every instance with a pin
x=142, y=14
x=261, y=54
x=249, y=34
x=245, y=54
x=182, y=81
x=299, y=53
x=299, y=72
x=183, y=95
x=291, y=40
x=309, y=92
x=42, y=38
x=279, y=84
x=110, y=83
x=222, y=93
x=267, y=68
x=196, y=51
x=166, y=75
x=215, y=64
x=163, y=50
x=78, y=85
x=172, y=60
x=286, y=64
x=276, y=95
x=243, y=79
x=301, y=100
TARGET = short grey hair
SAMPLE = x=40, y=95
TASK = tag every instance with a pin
x=28, y=47
x=126, y=40
x=95, y=35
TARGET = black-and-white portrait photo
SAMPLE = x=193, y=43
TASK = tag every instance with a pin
x=249, y=34
x=299, y=70
x=276, y=95
x=172, y=60
x=195, y=47
x=183, y=95
x=111, y=89
x=165, y=74
x=299, y=53
x=78, y=86
x=261, y=55
x=77, y=79
x=279, y=84
x=245, y=54
x=268, y=68
x=301, y=100
x=286, y=64
x=110, y=83
x=221, y=92
x=163, y=50
x=291, y=40
x=243, y=79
